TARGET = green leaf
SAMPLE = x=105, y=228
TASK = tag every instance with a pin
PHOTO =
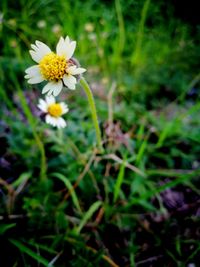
x=29, y=252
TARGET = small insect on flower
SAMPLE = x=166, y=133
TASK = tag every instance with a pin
x=59, y=69
x=53, y=111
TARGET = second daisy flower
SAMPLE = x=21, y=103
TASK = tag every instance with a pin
x=53, y=111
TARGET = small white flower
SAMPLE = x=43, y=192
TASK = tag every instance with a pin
x=89, y=27
x=53, y=111
x=41, y=24
x=56, y=68
x=56, y=28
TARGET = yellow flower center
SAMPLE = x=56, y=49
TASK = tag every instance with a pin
x=53, y=67
x=55, y=110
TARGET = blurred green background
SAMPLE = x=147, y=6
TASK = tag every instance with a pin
x=137, y=204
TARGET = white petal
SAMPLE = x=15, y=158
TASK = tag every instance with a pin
x=70, y=50
x=71, y=69
x=42, y=105
x=75, y=71
x=39, y=51
x=53, y=87
x=69, y=81
x=35, y=56
x=33, y=70
x=36, y=79
x=65, y=108
x=33, y=73
x=57, y=89
x=67, y=40
x=47, y=88
x=50, y=120
x=34, y=47
x=56, y=122
x=65, y=48
x=60, y=46
x=43, y=47
x=50, y=100
x=50, y=92
x=60, y=122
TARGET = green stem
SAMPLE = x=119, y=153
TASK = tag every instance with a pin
x=140, y=34
x=43, y=166
x=90, y=97
x=31, y=121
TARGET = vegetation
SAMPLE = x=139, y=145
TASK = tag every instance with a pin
x=62, y=201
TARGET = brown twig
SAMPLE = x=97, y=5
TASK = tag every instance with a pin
x=11, y=194
x=81, y=176
x=83, y=160
x=13, y=217
x=110, y=104
x=150, y=260
x=105, y=257
x=127, y=165
x=99, y=215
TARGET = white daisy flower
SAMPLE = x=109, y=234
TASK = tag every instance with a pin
x=56, y=68
x=53, y=111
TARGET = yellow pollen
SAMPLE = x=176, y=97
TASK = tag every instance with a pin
x=55, y=110
x=53, y=67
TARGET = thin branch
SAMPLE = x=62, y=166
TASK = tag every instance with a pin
x=127, y=165
x=81, y=176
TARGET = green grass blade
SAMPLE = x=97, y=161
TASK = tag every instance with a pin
x=140, y=34
x=164, y=134
x=42, y=247
x=70, y=188
x=181, y=178
x=5, y=227
x=29, y=252
x=141, y=151
x=119, y=181
x=121, y=26
x=22, y=178
x=88, y=215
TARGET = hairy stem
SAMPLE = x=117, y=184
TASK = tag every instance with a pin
x=90, y=98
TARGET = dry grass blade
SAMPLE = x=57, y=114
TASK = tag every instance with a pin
x=81, y=176
x=127, y=165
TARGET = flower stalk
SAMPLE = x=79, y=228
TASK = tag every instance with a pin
x=91, y=102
